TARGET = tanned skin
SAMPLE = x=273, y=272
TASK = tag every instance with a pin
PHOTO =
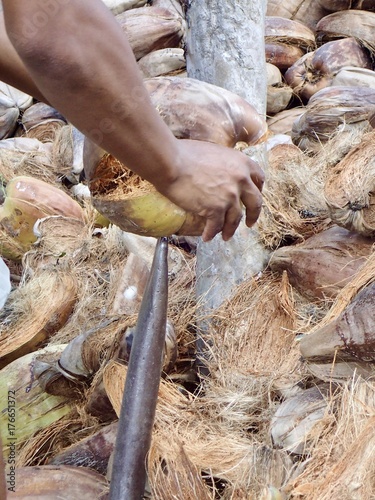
x=74, y=55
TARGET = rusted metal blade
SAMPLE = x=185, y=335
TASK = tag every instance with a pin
x=142, y=384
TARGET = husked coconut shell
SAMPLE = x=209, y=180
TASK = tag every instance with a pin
x=348, y=23
x=335, y=5
x=322, y=265
x=151, y=28
x=316, y=70
x=296, y=417
x=282, y=122
x=350, y=337
x=307, y=11
x=289, y=31
x=332, y=110
x=162, y=62
x=350, y=188
x=38, y=113
x=354, y=77
x=282, y=55
x=364, y=5
x=61, y=482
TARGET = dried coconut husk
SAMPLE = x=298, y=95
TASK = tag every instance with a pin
x=293, y=202
x=289, y=31
x=62, y=482
x=161, y=62
x=335, y=5
x=354, y=77
x=67, y=152
x=316, y=70
x=45, y=131
x=341, y=463
x=42, y=122
x=349, y=188
x=282, y=55
x=118, y=6
x=307, y=11
x=25, y=407
x=92, y=451
x=34, y=312
x=296, y=417
x=282, y=122
x=348, y=23
x=12, y=102
x=364, y=5
x=151, y=28
x=274, y=75
x=185, y=439
x=25, y=156
x=323, y=264
x=330, y=111
x=174, y=5
x=252, y=344
x=278, y=98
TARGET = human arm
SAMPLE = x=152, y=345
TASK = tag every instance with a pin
x=83, y=64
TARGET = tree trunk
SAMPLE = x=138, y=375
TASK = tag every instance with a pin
x=225, y=47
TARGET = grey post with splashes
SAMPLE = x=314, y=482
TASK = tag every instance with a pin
x=142, y=385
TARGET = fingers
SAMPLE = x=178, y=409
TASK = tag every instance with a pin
x=213, y=227
x=252, y=199
x=232, y=220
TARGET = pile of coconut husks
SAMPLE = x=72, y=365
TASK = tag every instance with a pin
x=287, y=409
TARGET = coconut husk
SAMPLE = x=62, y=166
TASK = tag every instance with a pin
x=337, y=256
x=274, y=75
x=290, y=31
x=25, y=156
x=282, y=55
x=293, y=202
x=174, y=5
x=45, y=131
x=118, y=6
x=282, y=122
x=151, y=28
x=354, y=77
x=364, y=5
x=335, y=5
x=93, y=451
x=278, y=98
x=349, y=187
x=12, y=102
x=296, y=417
x=67, y=152
x=34, y=409
x=308, y=12
x=317, y=69
x=191, y=118
x=162, y=62
x=348, y=23
x=63, y=482
x=34, y=312
x=330, y=111
x=341, y=464
x=184, y=439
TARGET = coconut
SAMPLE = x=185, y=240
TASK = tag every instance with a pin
x=296, y=417
x=282, y=122
x=162, y=62
x=60, y=481
x=358, y=24
x=336, y=254
x=12, y=102
x=289, y=31
x=334, y=5
x=35, y=312
x=174, y=5
x=349, y=76
x=282, y=55
x=41, y=121
x=316, y=70
x=350, y=186
x=274, y=75
x=28, y=199
x=330, y=111
x=118, y=6
x=307, y=11
x=278, y=98
x=364, y=5
x=34, y=409
x=151, y=28
x=350, y=337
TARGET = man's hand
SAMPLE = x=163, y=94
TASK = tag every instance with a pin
x=212, y=181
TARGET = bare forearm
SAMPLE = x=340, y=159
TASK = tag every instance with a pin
x=83, y=64
x=12, y=69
